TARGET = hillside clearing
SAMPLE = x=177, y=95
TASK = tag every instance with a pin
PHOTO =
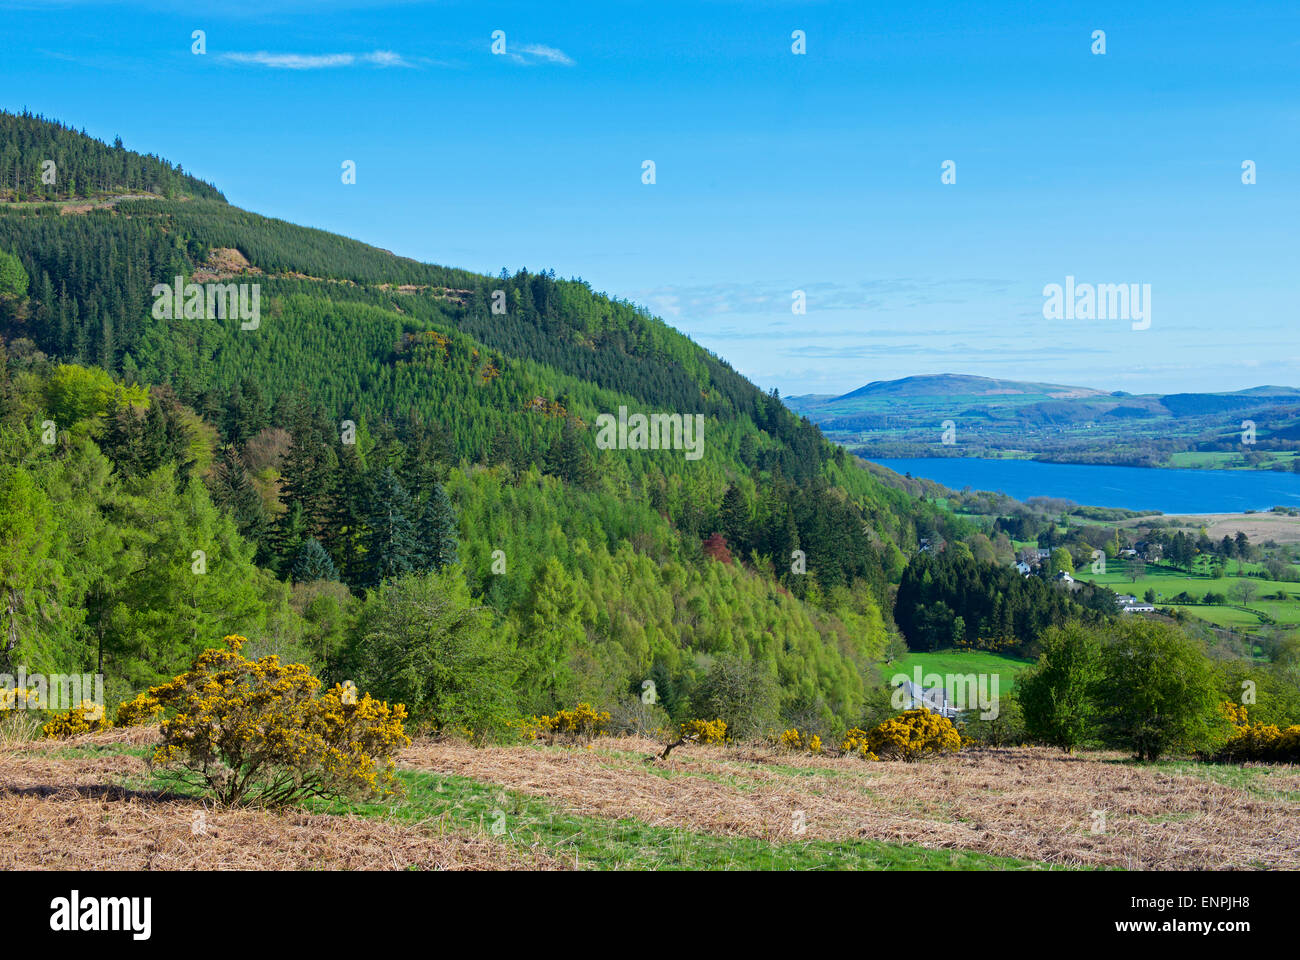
x=1027, y=803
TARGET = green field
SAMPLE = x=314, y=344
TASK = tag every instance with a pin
x=1232, y=617
x=946, y=662
x=1224, y=460
x=1168, y=583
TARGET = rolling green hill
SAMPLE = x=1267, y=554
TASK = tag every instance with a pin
x=384, y=418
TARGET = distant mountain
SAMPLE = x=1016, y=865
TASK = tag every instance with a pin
x=887, y=418
x=955, y=384
x=962, y=389
x=1271, y=391
x=981, y=396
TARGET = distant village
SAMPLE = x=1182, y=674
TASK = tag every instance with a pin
x=1032, y=559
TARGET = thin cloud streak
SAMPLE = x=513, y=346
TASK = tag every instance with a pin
x=317, y=61
x=549, y=54
x=529, y=54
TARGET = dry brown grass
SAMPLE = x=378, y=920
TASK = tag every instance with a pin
x=1258, y=526
x=1029, y=803
x=69, y=813
x=74, y=812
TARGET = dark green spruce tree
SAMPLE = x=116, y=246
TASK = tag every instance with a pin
x=733, y=520
x=437, y=533
x=233, y=491
x=308, y=473
x=313, y=563
x=346, y=524
x=391, y=546
x=569, y=458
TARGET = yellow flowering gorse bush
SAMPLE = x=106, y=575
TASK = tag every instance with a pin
x=86, y=717
x=1235, y=713
x=140, y=712
x=582, y=722
x=527, y=728
x=706, y=731
x=15, y=698
x=792, y=739
x=914, y=734
x=1264, y=742
x=856, y=740
x=89, y=717
x=255, y=731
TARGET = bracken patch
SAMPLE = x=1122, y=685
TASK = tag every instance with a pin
x=1029, y=803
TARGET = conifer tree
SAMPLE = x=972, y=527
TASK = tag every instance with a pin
x=313, y=563
x=570, y=459
x=437, y=534
x=345, y=527
x=233, y=491
x=308, y=474
x=733, y=518
x=391, y=542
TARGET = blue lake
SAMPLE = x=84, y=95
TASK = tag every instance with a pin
x=1135, y=488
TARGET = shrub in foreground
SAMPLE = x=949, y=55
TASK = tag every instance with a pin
x=914, y=734
x=1262, y=742
x=583, y=722
x=1159, y=693
x=742, y=692
x=706, y=731
x=86, y=717
x=256, y=732
x=858, y=741
x=423, y=641
x=1058, y=694
x=89, y=717
x=792, y=739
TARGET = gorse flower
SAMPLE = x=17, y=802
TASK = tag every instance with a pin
x=792, y=739
x=706, y=731
x=139, y=712
x=856, y=741
x=908, y=736
x=255, y=731
x=15, y=698
x=581, y=722
x=86, y=717
x=1264, y=742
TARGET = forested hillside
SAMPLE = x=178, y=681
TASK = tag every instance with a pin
x=81, y=166
x=394, y=436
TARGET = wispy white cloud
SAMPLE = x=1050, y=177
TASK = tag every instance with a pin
x=317, y=61
x=717, y=299
x=531, y=53
x=549, y=54
x=385, y=58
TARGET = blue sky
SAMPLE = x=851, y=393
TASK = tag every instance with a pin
x=774, y=172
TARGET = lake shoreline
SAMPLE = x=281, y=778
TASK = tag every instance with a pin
x=1167, y=491
x=1074, y=463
